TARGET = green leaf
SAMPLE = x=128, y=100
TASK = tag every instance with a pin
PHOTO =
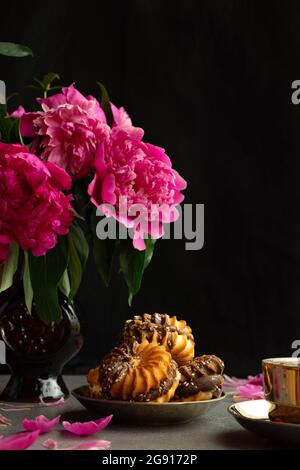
x=39, y=82
x=45, y=83
x=150, y=243
x=77, y=215
x=11, y=96
x=78, y=254
x=5, y=128
x=103, y=251
x=3, y=110
x=105, y=104
x=58, y=87
x=10, y=130
x=133, y=264
x=11, y=49
x=80, y=242
x=48, y=79
x=31, y=87
x=9, y=268
x=28, y=292
x=45, y=273
x=75, y=269
x=64, y=284
x=15, y=134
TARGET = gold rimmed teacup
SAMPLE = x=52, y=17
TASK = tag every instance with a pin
x=282, y=388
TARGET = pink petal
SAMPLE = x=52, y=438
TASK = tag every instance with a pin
x=121, y=117
x=52, y=102
x=26, y=124
x=169, y=214
x=99, y=162
x=59, y=176
x=50, y=444
x=72, y=95
x=61, y=401
x=180, y=182
x=122, y=120
x=156, y=230
x=87, y=428
x=12, y=148
x=94, y=190
x=256, y=379
x=139, y=243
x=233, y=382
x=40, y=423
x=19, y=441
x=18, y=112
x=90, y=445
x=159, y=153
x=108, y=188
x=250, y=392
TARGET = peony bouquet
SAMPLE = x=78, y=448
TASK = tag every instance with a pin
x=70, y=163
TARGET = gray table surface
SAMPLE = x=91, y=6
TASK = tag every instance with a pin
x=215, y=431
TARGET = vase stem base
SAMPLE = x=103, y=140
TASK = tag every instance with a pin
x=31, y=389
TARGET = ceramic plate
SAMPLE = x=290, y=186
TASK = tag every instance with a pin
x=253, y=416
x=146, y=413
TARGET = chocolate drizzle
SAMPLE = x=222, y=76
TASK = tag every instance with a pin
x=204, y=374
x=115, y=366
x=163, y=388
x=144, y=326
x=202, y=365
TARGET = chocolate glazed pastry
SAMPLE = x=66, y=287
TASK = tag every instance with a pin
x=174, y=334
x=141, y=372
x=201, y=379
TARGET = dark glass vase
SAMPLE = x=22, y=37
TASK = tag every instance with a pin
x=36, y=353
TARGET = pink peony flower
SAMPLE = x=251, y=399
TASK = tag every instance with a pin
x=33, y=208
x=138, y=175
x=68, y=130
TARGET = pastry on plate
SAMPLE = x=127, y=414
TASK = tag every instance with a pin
x=200, y=379
x=174, y=334
x=94, y=385
x=136, y=372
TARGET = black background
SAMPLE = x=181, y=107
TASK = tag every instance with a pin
x=211, y=82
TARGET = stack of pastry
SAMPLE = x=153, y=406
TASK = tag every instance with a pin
x=154, y=362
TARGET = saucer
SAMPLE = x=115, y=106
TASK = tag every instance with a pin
x=253, y=416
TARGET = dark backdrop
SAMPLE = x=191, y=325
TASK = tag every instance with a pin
x=211, y=82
